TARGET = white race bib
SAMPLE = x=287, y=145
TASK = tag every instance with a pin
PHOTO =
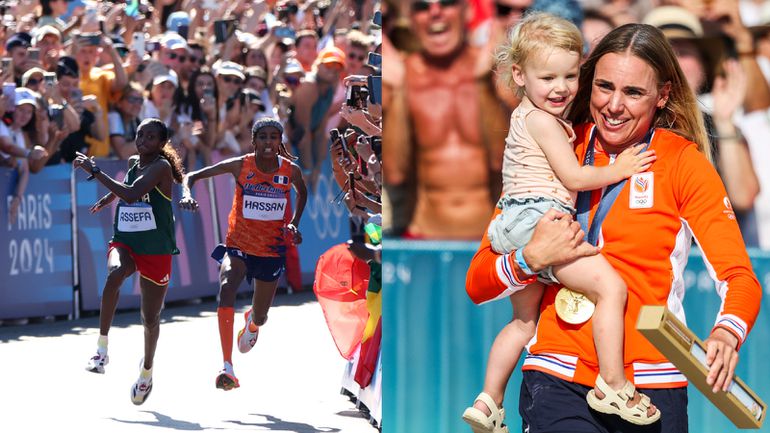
x=136, y=218
x=263, y=208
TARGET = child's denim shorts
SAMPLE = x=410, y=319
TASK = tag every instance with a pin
x=513, y=227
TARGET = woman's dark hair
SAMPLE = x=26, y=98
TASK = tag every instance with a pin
x=191, y=100
x=45, y=6
x=680, y=114
x=167, y=151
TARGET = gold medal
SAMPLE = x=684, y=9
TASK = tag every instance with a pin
x=572, y=307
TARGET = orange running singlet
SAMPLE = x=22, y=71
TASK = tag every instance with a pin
x=260, y=209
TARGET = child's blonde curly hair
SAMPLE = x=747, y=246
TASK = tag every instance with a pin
x=537, y=32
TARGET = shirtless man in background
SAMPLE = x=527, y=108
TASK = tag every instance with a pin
x=444, y=126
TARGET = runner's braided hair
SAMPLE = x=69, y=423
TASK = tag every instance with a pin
x=269, y=121
x=167, y=151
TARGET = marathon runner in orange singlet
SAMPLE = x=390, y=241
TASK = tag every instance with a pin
x=255, y=246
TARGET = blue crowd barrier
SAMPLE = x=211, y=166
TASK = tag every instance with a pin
x=37, y=249
x=43, y=262
x=436, y=341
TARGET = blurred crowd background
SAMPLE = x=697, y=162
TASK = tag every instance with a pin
x=446, y=112
x=79, y=76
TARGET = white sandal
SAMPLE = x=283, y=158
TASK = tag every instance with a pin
x=615, y=403
x=483, y=423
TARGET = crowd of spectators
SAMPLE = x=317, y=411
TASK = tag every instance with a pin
x=79, y=76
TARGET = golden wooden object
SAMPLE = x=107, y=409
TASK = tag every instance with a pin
x=688, y=353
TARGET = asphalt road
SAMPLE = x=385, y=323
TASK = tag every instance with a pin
x=290, y=381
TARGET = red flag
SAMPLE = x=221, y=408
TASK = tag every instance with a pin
x=340, y=286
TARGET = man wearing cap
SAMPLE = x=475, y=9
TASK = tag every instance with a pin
x=311, y=101
x=97, y=81
x=174, y=53
x=443, y=117
x=16, y=48
x=33, y=79
x=230, y=79
x=48, y=40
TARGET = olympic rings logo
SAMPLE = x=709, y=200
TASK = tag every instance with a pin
x=322, y=209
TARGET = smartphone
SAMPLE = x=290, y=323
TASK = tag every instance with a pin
x=132, y=8
x=223, y=29
x=6, y=64
x=356, y=222
x=377, y=20
x=285, y=32
x=56, y=115
x=335, y=135
x=153, y=46
x=374, y=83
x=9, y=90
x=138, y=44
x=33, y=54
x=49, y=79
x=94, y=39
x=101, y=27
x=374, y=60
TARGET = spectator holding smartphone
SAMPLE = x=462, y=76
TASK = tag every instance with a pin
x=98, y=81
x=48, y=40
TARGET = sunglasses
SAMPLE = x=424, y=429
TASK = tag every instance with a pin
x=352, y=56
x=33, y=82
x=505, y=10
x=229, y=80
x=293, y=81
x=422, y=6
x=173, y=56
x=134, y=99
x=194, y=59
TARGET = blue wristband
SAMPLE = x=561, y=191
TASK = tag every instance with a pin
x=519, y=256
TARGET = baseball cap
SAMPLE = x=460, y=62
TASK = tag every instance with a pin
x=26, y=96
x=32, y=71
x=168, y=77
x=172, y=41
x=45, y=31
x=177, y=19
x=67, y=66
x=20, y=39
x=292, y=67
x=230, y=68
x=331, y=55
x=257, y=71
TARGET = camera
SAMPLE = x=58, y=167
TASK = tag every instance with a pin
x=285, y=11
x=223, y=29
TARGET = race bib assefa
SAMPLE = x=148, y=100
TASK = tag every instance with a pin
x=136, y=217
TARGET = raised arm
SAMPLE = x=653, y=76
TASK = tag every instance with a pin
x=129, y=193
x=553, y=139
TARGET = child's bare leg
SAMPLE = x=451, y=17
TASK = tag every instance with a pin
x=594, y=277
x=510, y=342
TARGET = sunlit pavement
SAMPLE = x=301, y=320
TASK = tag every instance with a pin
x=290, y=381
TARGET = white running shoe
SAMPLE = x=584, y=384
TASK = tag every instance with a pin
x=226, y=379
x=141, y=389
x=97, y=362
x=246, y=338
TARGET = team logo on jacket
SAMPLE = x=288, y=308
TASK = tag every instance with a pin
x=281, y=180
x=642, y=190
x=728, y=209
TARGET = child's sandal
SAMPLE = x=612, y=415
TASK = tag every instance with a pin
x=615, y=403
x=483, y=423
